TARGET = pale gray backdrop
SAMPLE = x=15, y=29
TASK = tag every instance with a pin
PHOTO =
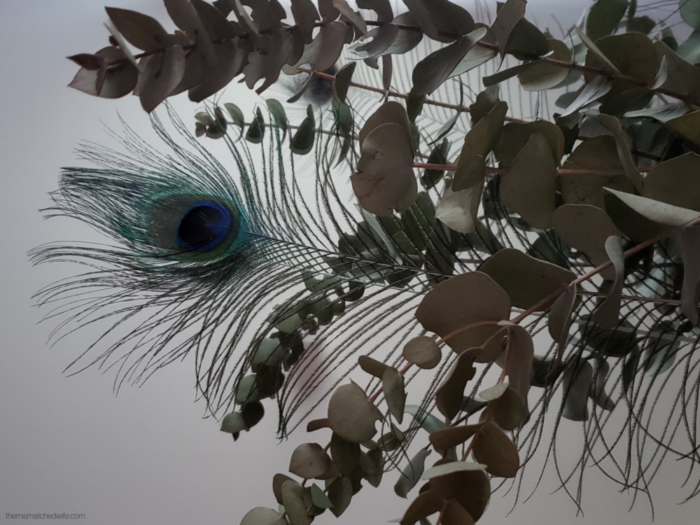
x=147, y=456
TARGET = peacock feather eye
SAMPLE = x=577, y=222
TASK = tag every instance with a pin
x=197, y=227
x=320, y=89
x=204, y=227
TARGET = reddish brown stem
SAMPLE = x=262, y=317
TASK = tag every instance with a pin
x=496, y=171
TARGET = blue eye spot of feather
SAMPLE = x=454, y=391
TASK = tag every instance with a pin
x=321, y=89
x=204, y=226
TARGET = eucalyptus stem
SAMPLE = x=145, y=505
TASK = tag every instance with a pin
x=560, y=172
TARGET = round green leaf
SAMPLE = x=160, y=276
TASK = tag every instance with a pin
x=351, y=415
x=423, y=352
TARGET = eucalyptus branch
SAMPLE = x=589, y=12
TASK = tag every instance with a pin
x=560, y=172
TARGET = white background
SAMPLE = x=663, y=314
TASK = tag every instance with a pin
x=147, y=456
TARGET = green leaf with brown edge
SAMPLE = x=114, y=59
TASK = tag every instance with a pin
x=607, y=314
x=544, y=75
x=431, y=72
x=451, y=437
x=657, y=211
x=294, y=505
x=262, y=516
x=448, y=396
x=351, y=415
x=423, y=352
x=528, y=187
x=461, y=301
x=493, y=448
x=141, y=31
x=411, y=473
x=309, y=460
x=576, y=386
x=506, y=20
x=585, y=228
x=478, y=143
x=384, y=180
x=604, y=17
x=394, y=392
x=527, y=280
